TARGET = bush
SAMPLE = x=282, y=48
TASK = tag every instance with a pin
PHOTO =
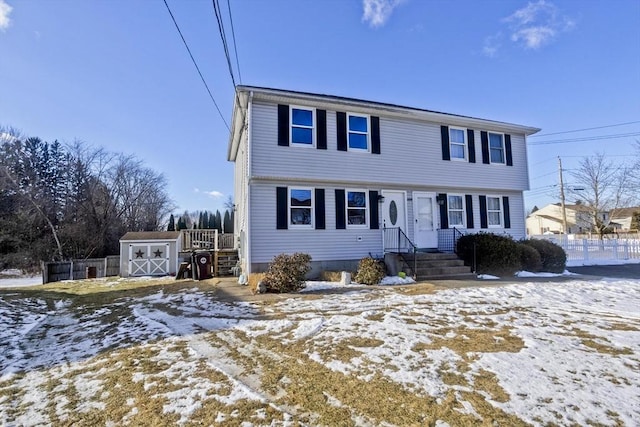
x=331, y=276
x=254, y=279
x=530, y=258
x=495, y=254
x=370, y=271
x=554, y=259
x=287, y=273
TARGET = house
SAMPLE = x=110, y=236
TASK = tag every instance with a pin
x=623, y=218
x=549, y=219
x=342, y=178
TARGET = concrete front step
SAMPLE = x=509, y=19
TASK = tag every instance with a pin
x=422, y=263
x=438, y=271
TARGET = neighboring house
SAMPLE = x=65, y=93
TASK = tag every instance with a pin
x=549, y=219
x=336, y=177
x=622, y=218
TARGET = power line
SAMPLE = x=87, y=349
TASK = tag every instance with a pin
x=196, y=65
x=585, y=129
x=223, y=37
x=586, y=138
x=235, y=45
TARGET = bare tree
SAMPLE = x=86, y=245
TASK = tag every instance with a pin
x=601, y=186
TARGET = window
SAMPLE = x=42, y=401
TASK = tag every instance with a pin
x=494, y=211
x=457, y=143
x=302, y=121
x=301, y=207
x=356, y=207
x=496, y=147
x=358, y=132
x=455, y=204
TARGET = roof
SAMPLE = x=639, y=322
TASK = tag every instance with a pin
x=624, y=212
x=274, y=95
x=151, y=235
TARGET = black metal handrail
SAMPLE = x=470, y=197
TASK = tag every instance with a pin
x=397, y=242
x=448, y=239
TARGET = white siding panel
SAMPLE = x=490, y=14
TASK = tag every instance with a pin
x=322, y=245
x=410, y=154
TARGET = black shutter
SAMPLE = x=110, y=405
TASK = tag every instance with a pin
x=341, y=222
x=444, y=215
x=319, y=207
x=469, y=206
x=471, y=140
x=507, y=149
x=282, y=219
x=283, y=125
x=375, y=135
x=444, y=132
x=483, y=212
x=507, y=214
x=341, y=126
x=321, y=129
x=485, y=147
x=373, y=210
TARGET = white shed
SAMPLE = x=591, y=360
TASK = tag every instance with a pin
x=149, y=253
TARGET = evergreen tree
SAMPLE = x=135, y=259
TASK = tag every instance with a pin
x=219, y=221
x=200, y=220
x=172, y=225
x=212, y=221
x=228, y=224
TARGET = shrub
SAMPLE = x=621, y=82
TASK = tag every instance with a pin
x=331, y=276
x=530, y=258
x=554, y=259
x=254, y=279
x=287, y=273
x=370, y=271
x=495, y=254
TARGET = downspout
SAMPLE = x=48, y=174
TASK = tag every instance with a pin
x=249, y=175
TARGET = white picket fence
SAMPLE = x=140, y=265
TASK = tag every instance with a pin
x=595, y=249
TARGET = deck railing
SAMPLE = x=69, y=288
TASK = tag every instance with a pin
x=206, y=239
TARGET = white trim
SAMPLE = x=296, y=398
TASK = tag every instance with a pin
x=501, y=225
x=366, y=207
x=247, y=233
x=312, y=127
x=465, y=144
x=464, y=210
x=504, y=148
x=367, y=133
x=311, y=225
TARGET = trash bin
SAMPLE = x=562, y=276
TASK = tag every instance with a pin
x=203, y=265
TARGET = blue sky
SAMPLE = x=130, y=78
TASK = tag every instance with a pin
x=116, y=74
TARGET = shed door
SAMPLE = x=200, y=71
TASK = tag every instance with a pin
x=147, y=259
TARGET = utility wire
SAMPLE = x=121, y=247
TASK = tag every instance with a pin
x=586, y=138
x=581, y=130
x=223, y=37
x=196, y=65
x=235, y=45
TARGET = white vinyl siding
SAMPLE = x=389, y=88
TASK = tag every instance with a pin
x=411, y=153
x=322, y=245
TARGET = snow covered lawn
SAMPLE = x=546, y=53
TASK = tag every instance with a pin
x=561, y=353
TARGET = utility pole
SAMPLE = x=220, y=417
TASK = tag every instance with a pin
x=564, y=210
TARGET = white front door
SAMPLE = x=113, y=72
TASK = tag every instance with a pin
x=394, y=213
x=424, y=212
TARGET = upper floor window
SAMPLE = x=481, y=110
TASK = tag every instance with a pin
x=300, y=207
x=356, y=207
x=457, y=143
x=494, y=211
x=358, y=132
x=496, y=147
x=455, y=205
x=302, y=124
